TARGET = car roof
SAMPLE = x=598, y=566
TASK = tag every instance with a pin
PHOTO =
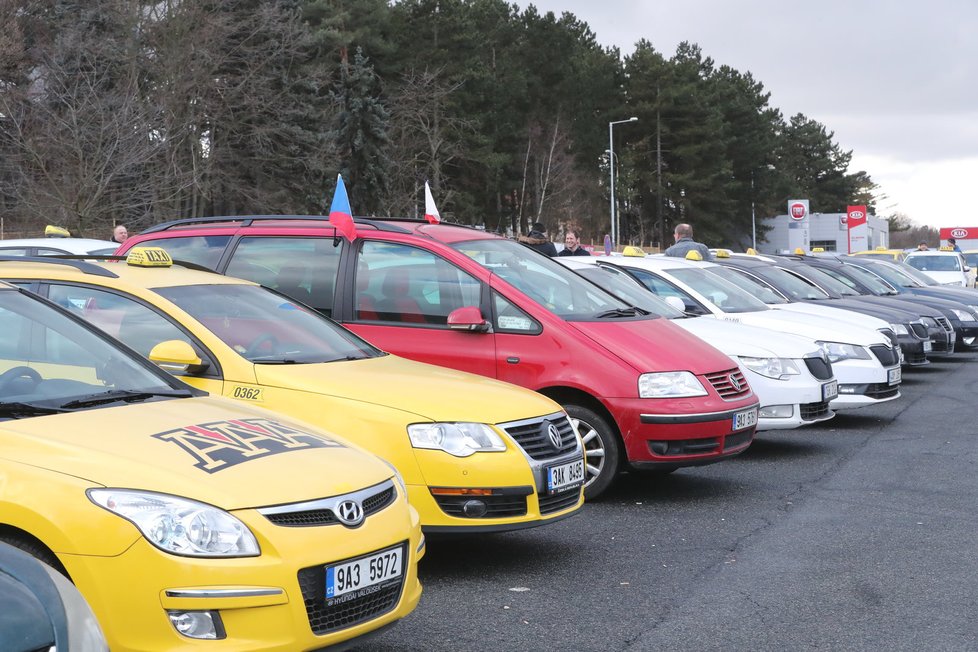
x=70, y=245
x=78, y=270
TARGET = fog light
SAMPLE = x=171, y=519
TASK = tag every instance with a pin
x=198, y=624
x=776, y=412
x=474, y=508
x=968, y=340
x=847, y=389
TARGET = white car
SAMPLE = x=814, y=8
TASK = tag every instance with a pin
x=865, y=361
x=790, y=374
x=57, y=246
x=945, y=267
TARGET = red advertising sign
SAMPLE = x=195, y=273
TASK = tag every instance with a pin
x=857, y=225
x=959, y=232
x=855, y=215
x=798, y=211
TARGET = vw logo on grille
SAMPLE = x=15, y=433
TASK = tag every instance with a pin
x=735, y=382
x=554, y=435
x=350, y=513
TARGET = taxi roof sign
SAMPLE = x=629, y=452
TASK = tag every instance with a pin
x=818, y=250
x=947, y=248
x=799, y=251
x=880, y=248
x=149, y=257
x=52, y=231
x=694, y=255
x=633, y=251
x=751, y=251
x=723, y=253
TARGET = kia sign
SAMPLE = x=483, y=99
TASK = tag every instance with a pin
x=959, y=234
x=858, y=227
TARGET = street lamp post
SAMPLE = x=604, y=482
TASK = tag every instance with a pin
x=611, y=167
x=753, y=218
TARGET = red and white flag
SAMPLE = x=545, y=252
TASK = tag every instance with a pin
x=430, y=210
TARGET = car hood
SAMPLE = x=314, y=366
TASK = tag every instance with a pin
x=817, y=327
x=672, y=348
x=848, y=312
x=422, y=390
x=749, y=341
x=210, y=449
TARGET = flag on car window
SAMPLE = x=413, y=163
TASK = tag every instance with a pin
x=430, y=210
x=340, y=214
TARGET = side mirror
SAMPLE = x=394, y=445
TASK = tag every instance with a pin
x=177, y=357
x=676, y=303
x=468, y=318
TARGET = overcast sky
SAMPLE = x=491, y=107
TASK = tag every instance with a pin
x=894, y=79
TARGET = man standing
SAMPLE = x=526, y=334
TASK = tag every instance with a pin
x=685, y=243
x=120, y=233
x=572, y=244
x=954, y=245
x=922, y=246
x=537, y=239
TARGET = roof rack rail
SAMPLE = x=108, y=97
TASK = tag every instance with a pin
x=78, y=262
x=248, y=220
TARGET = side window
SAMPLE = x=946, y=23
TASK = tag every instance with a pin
x=203, y=250
x=301, y=268
x=398, y=283
x=121, y=317
x=14, y=251
x=507, y=318
x=665, y=290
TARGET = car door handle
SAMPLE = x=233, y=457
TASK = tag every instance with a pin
x=513, y=360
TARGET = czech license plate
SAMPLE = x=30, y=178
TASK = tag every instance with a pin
x=928, y=347
x=894, y=376
x=565, y=475
x=361, y=574
x=745, y=419
x=830, y=390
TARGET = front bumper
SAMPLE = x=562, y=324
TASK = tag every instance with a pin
x=798, y=400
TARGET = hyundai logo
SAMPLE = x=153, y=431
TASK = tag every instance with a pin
x=350, y=513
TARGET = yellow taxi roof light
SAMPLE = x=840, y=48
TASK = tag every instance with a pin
x=149, y=257
x=633, y=251
x=52, y=231
x=723, y=253
x=818, y=249
x=799, y=251
x=694, y=255
x=751, y=251
x=880, y=248
x=947, y=248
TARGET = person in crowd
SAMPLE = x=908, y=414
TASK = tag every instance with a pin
x=922, y=246
x=120, y=233
x=538, y=239
x=683, y=235
x=572, y=244
x=953, y=244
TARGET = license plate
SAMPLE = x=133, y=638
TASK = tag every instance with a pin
x=893, y=376
x=745, y=419
x=565, y=475
x=362, y=574
x=928, y=347
x=830, y=390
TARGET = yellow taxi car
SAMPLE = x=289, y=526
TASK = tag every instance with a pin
x=477, y=455
x=188, y=521
x=882, y=253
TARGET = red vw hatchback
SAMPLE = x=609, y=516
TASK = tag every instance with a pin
x=643, y=393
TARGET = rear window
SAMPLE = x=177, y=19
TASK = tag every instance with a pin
x=204, y=250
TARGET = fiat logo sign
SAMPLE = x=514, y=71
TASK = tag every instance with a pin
x=798, y=211
x=959, y=233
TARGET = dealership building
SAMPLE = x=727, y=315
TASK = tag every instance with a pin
x=827, y=231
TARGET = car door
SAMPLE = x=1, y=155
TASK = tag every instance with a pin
x=132, y=322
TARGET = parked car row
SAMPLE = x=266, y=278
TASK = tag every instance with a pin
x=261, y=420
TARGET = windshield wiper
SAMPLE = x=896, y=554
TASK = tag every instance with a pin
x=619, y=312
x=17, y=409
x=125, y=395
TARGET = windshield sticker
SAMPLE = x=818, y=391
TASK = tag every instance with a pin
x=220, y=445
x=515, y=323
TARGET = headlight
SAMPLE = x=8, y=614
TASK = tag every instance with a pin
x=930, y=322
x=458, y=439
x=974, y=310
x=669, y=384
x=837, y=351
x=178, y=525
x=963, y=315
x=771, y=367
x=900, y=329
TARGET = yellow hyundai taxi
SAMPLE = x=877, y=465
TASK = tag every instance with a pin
x=190, y=522
x=477, y=455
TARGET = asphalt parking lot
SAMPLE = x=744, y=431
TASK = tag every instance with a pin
x=856, y=534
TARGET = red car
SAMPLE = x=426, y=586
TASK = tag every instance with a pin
x=644, y=393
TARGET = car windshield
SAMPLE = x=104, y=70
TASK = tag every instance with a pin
x=546, y=281
x=629, y=290
x=877, y=285
x=934, y=263
x=797, y=289
x=899, y=274
x=49, y=362
x=724, y=295
x=265, y=327
x=748, y=283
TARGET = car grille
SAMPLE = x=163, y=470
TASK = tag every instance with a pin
x=819, y=367
x=945, y=324
x=532, y=436
x=671, y=447
x=886, y=355
x=339, y=613
x=738, y=439
x=890, y=335
x=550, y=503
x=729, y=384
x=915, y=357
x=812, y=411
x=920, y=330
x=323, y=512
x=501, y=506
x=881, y=390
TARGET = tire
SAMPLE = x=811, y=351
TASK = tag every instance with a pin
x=35, y=550
x=602, y=450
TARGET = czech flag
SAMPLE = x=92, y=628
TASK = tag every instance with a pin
x=340, y=215
x=430, y=210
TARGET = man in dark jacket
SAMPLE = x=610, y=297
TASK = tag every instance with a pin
x=537, y=239
x=572, y=244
